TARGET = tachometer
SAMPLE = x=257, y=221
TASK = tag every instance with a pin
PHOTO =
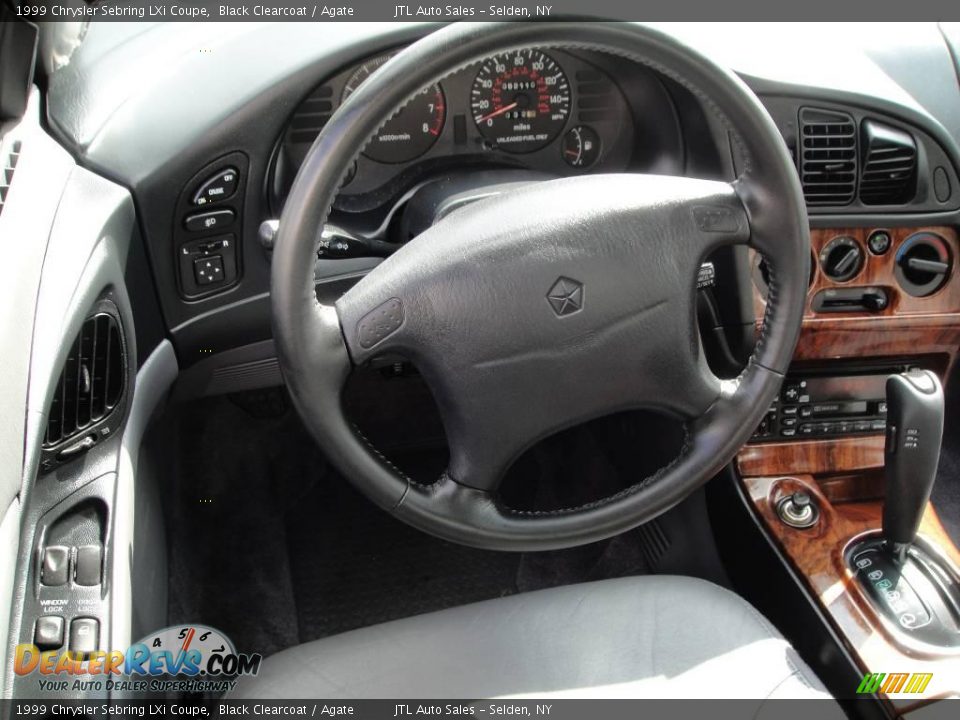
x=410, y=133
x=520, y=101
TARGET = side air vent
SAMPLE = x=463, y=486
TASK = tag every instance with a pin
x=889, y=164
x=8, y=163
x=828, y=157
x=91, y=383
x=311, y=116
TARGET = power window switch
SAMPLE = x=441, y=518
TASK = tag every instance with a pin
x=48, y=633
x=87, y=567
x=56, y=565
x=84, y=636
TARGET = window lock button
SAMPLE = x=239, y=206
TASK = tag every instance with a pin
x=48, y=633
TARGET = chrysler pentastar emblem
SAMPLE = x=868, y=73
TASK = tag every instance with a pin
x=566, y=296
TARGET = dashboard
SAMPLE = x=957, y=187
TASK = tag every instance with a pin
x=245, y=114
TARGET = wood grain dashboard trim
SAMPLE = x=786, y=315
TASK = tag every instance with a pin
x=813, y=457
x=908, y=325
x=878, y=270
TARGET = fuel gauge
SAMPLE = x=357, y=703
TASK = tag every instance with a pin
x=581, y=146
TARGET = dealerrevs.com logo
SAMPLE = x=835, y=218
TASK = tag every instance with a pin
x=185, y=658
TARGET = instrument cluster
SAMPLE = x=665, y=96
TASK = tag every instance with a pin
x=551, y=111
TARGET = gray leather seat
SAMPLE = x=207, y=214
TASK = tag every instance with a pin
x=651, y=637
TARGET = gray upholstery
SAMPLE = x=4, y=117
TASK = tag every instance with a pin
x=652, y=637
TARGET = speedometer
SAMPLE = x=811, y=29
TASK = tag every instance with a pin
x=520, y=101
x=411, y=132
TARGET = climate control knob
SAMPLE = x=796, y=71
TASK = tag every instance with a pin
x=841, y=258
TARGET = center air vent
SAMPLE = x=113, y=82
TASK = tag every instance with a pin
x=828, y=157
x=91, y=383
x=889, y=175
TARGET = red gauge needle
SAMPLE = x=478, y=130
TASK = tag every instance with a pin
x=501, y=111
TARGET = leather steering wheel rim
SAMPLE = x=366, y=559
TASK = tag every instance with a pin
x=412, y=300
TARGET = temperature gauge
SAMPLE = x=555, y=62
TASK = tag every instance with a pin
x=581, y=146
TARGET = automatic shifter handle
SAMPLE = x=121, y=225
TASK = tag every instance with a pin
x=914, y=431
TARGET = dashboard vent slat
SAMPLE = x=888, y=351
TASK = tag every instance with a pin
x=311, y=116
x=827, y=157
x=91, y=383
x=889, y=175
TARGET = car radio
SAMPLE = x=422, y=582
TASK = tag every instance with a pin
x=819, y=405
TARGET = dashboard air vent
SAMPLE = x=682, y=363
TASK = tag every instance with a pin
x=889, y=165
x=8, y=164
x=312, y=114
x=828, y=157
x=91, y=383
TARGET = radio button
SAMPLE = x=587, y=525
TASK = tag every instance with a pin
x=807, y=429
x=788, y=422
x=806, y=411
x=790, y=410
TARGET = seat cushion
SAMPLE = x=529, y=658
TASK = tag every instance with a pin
x=650, y=637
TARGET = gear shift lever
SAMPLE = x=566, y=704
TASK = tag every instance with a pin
x=904, y=577
x=914, y=431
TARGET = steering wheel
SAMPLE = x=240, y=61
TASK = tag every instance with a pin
x=542, y=308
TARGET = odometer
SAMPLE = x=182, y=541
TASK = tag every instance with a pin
x=413, y=131
x=520, y=101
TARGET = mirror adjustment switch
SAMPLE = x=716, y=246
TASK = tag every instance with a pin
x=56, y=565
x=208, y=270
x=48, y=633
x=87, y=569
x=84, y=636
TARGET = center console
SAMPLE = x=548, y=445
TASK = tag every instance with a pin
x=838, y=473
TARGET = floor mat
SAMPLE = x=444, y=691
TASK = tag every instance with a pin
x=354, y=565
x=275, y=548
